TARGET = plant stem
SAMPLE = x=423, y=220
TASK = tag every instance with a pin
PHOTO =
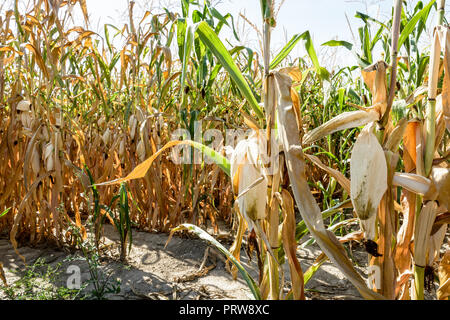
x=419, y=276
x=430, y=122
x=441, y=12
x=395, y=48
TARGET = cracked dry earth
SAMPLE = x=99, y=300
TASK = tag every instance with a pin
x=154, y=271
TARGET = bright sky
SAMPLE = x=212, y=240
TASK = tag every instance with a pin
x=325, y=19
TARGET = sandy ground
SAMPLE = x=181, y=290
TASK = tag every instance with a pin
x=156, y=272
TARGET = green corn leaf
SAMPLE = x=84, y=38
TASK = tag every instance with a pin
x=339, y=43
x=4, y=212
x=322, y=72
x=409, y=28
x=212, y=41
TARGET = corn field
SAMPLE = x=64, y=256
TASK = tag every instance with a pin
x=276, y=148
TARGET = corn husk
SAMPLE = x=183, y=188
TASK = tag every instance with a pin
x=368, y=182
x=106, y=137
x=48, y=158
x=122, y=147
x=132, y=124
x=141, y=150
x=422, y=232
x=24, y=106
x=435, y=244
x=412, y=182
x=245, y=172
x=35, y=160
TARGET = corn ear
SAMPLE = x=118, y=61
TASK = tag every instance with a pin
x=35, y=160
x=24, y=106
x=245, y=170
x=48, y=157
x=368, y=179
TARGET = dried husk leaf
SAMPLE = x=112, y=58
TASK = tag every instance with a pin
x=435, y=244
x=375, y=78
x=422, y=232
x=235, y=249
x=395, y=137
x=35, y=160
x=290, y=246
x=24, y=106
x=368, y=177
x=441, y=186
x=48, y=157
x=106, y=137
x=132, y=124
x=141, y=151
x=246, y=170
x=412, y=182
x=409, y=150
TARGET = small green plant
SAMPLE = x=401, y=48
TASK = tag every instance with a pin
x=123, y=221
x=97, y=218
x=39, y=283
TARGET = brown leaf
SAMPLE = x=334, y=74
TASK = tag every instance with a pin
x=443, y=293
x=290, y=245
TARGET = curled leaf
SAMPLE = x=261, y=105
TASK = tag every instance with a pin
x=346, y=120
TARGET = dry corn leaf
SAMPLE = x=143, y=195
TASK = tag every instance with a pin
x=395, y=137
x=435, y=244
x=409, y=150
x=375, y=78
x=443, y=293
x=340, y=178
x=346, y=120
x=290, y=245
x=294, y=72
x=235, y=249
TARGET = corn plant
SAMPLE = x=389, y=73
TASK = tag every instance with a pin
x=375, y=146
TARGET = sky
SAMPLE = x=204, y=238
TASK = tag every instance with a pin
x=325, y=19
